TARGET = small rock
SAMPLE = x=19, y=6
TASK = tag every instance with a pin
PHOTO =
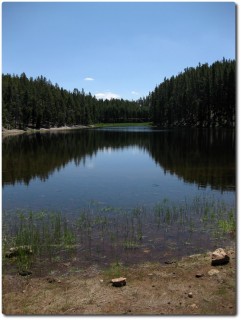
x=146, y=250
x=25, y=273
x=213, y=272
x=193, y=306
x=195, y=255
x=170, y=261
x=51, y=280
x=219, y=257
x=101, y=281
x=190, y=295
x=118, y=282
x=199, y=275
x=67, y=264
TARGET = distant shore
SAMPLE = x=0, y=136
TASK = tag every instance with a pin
x=8, y=132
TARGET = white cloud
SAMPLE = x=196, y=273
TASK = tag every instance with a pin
x=107, y=95
x=88, y=79
x=135, y=93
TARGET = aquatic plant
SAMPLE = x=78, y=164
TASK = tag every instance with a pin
x=228, y=225
x=101, y=231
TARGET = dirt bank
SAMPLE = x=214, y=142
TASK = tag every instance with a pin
x=167, y=289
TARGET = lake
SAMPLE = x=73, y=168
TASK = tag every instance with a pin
x=116, y=166
x=139, y=170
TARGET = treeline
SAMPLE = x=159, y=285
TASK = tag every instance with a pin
x=38, y=103
x=199, y=97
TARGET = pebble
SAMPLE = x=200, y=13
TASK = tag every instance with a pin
x=119, y=282
x=170, y=261
x=190, y=295
x=51, y=280
x=213, y=272
x=67, y=264
x=199, y=275
x=25, y=273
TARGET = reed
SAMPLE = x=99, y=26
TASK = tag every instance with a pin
x=97, y=229
x=45, y=233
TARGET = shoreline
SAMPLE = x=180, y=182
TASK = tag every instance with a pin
x=189, y=286
x=11, y=132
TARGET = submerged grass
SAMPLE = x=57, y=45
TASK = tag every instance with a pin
x=96, y=228
x=228, y=225
x=44, y=232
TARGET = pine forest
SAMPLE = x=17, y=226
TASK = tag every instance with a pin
x=197, y=97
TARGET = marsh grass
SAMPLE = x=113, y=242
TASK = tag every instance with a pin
x=228, y=225
x=128, y=244
x=45, y=233
x=97, y=228
x=115, y=270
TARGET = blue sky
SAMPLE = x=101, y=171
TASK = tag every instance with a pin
x=114, y=49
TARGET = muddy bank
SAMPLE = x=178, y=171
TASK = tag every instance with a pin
x=189, y=286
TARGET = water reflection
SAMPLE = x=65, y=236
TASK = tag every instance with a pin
x=203, y=157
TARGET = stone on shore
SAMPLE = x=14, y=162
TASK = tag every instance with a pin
x=199, y=275
x=118, y=282
x=219, y=257
x=213, y=272
x=25, y=273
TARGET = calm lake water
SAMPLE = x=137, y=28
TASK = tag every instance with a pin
x=129, y=167
x=121, y=167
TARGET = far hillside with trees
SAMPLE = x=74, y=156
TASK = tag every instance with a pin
x=198, y=97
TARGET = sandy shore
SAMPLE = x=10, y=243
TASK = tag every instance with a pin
x=6, y=132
